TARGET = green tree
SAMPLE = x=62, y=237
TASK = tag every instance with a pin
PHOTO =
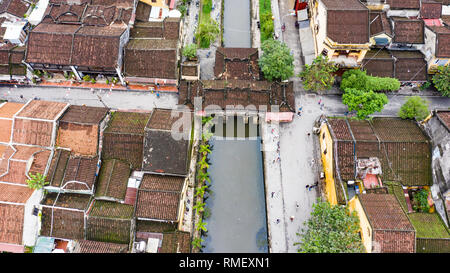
x=37, y=181
x=319, y=75
x=266, y=26
x=201, y=225
x=190, y=51
x=364, y=103
x=207, y=32
x=358, y=79
x=276, y=62
x=414, y=108
x=442, y=80
x=331, y=229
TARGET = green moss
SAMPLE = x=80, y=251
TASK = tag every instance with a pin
x=428, y=225
x=396, y=189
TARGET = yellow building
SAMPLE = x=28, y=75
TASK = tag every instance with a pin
x=384, y=226
x=157, y=3
x=340, y=30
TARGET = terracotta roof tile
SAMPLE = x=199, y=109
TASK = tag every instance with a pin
x=176, y=242
x=84, y=114
x=410, y=66
x=61, y=223
x=113, y=179
x=430, y=9
x=40, y=109
x=85, y=246
x=348, y=26
x=11, y=223
x=66, y=168
x=445, y=117
x=14, y=194
x=33, y=132
x=410, y=31
x=14, y=7
x=403, y=4
x=68, y=200
x=391, y=227
x=8, y=109
x=159, y=197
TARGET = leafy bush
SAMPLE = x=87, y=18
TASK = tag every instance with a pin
x=442, y=80
x=207, y=32
x=359, y=79
x=207, y=6
x=276, y=62
x=86, y=78
x=266, y=26
x=364, y=103
x=318, y=75
x=414, y=108
x=190, y=51
x=331, y=229
x=421, y=200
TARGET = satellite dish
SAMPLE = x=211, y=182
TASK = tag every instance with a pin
x=175, y=13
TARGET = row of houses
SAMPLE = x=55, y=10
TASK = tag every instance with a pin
x=116, y=181
x=379, y=168
x=120, y=39
x=391, y=38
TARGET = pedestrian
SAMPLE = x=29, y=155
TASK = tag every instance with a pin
x=157, y=95
x=297, y=205
x=299, y=113
x=273, y=193
x=309, y=134
x=278, y=221
x=320, y=101
x=307, y=186
x=321, y=106
x=292, y=218
x=300, y=108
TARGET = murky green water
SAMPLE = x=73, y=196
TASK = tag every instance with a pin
x=237, y=221
x=236, y=23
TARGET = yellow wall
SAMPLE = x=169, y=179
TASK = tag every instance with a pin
x=327, y=162
x=366, y=230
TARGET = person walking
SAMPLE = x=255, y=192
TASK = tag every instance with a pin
x=320, y=101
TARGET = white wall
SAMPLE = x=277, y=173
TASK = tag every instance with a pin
x=31, y=223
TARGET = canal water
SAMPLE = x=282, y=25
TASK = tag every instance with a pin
x=236, y=23
x=237, y=221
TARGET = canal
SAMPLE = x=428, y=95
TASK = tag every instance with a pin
x=236, y=204
x=236, y=23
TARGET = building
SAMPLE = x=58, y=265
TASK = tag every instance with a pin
x=80, y=129
x=113, y=181
x=340, y=30
x=160, y=198
x=253, y=96
x=401, y=147
x=166, y=143
x=236, y=63
x=14, y=9
x=85, y=38
x=384, y=227
x=72, y=173
x=123, y=139
x=437, y=49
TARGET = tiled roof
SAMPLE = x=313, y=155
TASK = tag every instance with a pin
x=238, y=92
x=7, y=111
x=176, y=242
x=62, y=223
x=379, y=63
x=124, y=137
x=68, y=200
x=162, y=152
x=391, y=227
x=85, y=246
x=11, y=223
x=67, y=169
x=444, y=116
x=159, y=197
x=14, y=7
x=237, y=63
x=403, y=4
x=410, y=66
x=113, y=179
x=14, y=162
x=14, y=194
x=154, y=226
x=347, y=21
x=403, y=150
x=410, y=31
x=109, y=222
x=379, y=23
x=430, y=9
x=84, y=115
x=442, y=50
x=65, y=44
x=39, y=109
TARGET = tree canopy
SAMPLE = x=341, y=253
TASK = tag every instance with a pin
x=364, y=103
x=414, y=108
x=442, y=80
x=331, y=229
x=319, y=75
x=207, y=33
x=190, y=51
x=276, y=62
